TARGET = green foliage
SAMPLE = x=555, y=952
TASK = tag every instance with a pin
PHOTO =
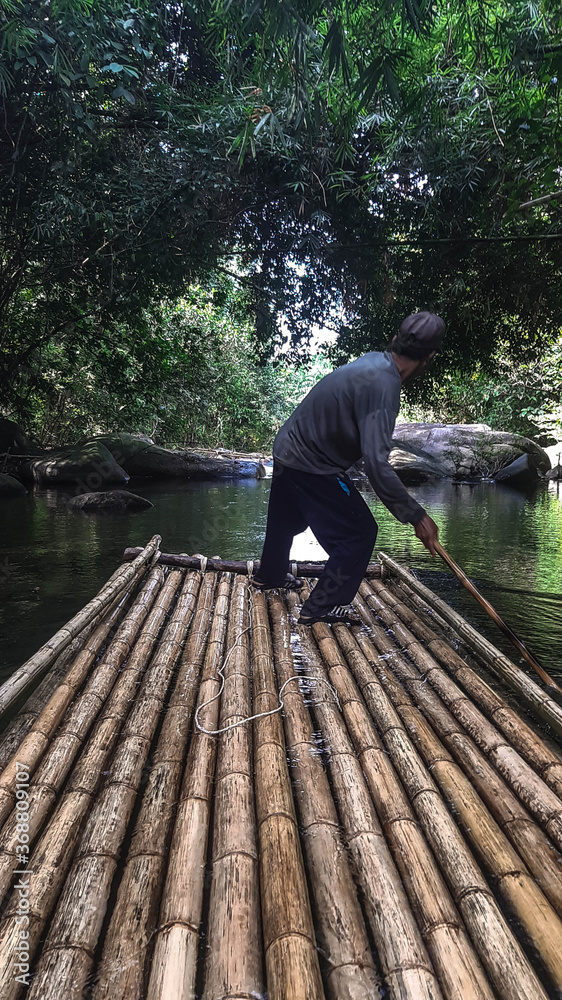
x=359, y=160
x=525, y=399
x=185, y=374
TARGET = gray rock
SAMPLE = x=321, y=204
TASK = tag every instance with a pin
x=414, y=468
x=13, y=439
x=10, y=487
x=463, y=451
x=109, y=500
x=89, y=466
x=520, y=472
x=141, y=457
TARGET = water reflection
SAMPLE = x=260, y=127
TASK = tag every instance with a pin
x=52, y=560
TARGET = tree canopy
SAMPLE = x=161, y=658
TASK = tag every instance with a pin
x=347, y=162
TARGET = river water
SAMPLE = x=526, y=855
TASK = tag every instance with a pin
x=53, y=561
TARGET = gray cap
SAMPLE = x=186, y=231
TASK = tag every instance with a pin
x=420, y=334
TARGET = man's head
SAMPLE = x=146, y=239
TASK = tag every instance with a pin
x=416, y=343
x=420, y=335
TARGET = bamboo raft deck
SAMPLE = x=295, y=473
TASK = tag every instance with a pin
x=166, y=832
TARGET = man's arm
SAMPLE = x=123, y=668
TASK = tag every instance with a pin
x=376, y=441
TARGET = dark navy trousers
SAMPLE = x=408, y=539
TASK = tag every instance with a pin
x=339, y=517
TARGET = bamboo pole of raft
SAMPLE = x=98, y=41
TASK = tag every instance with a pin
x=499, y=664
x=67, y=954
x=529, y=744
x=535, y=794
x=523, y=898
x=123, y=968
x=349, y=971
x=239, y=566
x=508, y=968
x=54, y=851
x=20, y=725
x=530, y=841
x=234, y=964
x=35, y=742
x=503, y=626
x=291, y=957
x=454, y=958
x=35, y=667
x=173, y=966
x=406, y=965
x=60, y=755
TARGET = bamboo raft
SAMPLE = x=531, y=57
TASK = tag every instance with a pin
x=201, y=799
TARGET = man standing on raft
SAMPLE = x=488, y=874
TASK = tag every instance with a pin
x=348, y=415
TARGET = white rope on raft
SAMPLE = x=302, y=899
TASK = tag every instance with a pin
x=260, y=715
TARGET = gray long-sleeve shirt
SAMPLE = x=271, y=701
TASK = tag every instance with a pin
x=351, y=414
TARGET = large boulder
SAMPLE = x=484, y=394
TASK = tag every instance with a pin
x=111, y=500
x=414, y=469
x=522, y=472
x=87, y=466
x=466, y=451
x=141, y=457
x=10, y=487
x=13, y=439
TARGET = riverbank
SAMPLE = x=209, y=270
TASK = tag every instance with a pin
x=420, y=453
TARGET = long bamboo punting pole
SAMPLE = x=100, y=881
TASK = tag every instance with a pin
x=502, y=625
x=174, y=960
x=234, y=963
x=35, y=743
x=67, y=955
x=239, y=566
x=529, y=744
x=455, y=960
x=36, y=666
x=522, y=897
x=406, y=965
x=123, y=969
x=508, y=968
x=535, y=794
x=535, y=696
x=345, y=955
x=291, y=957
x=530, y=841
x=64, y=748
x=54, y=851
